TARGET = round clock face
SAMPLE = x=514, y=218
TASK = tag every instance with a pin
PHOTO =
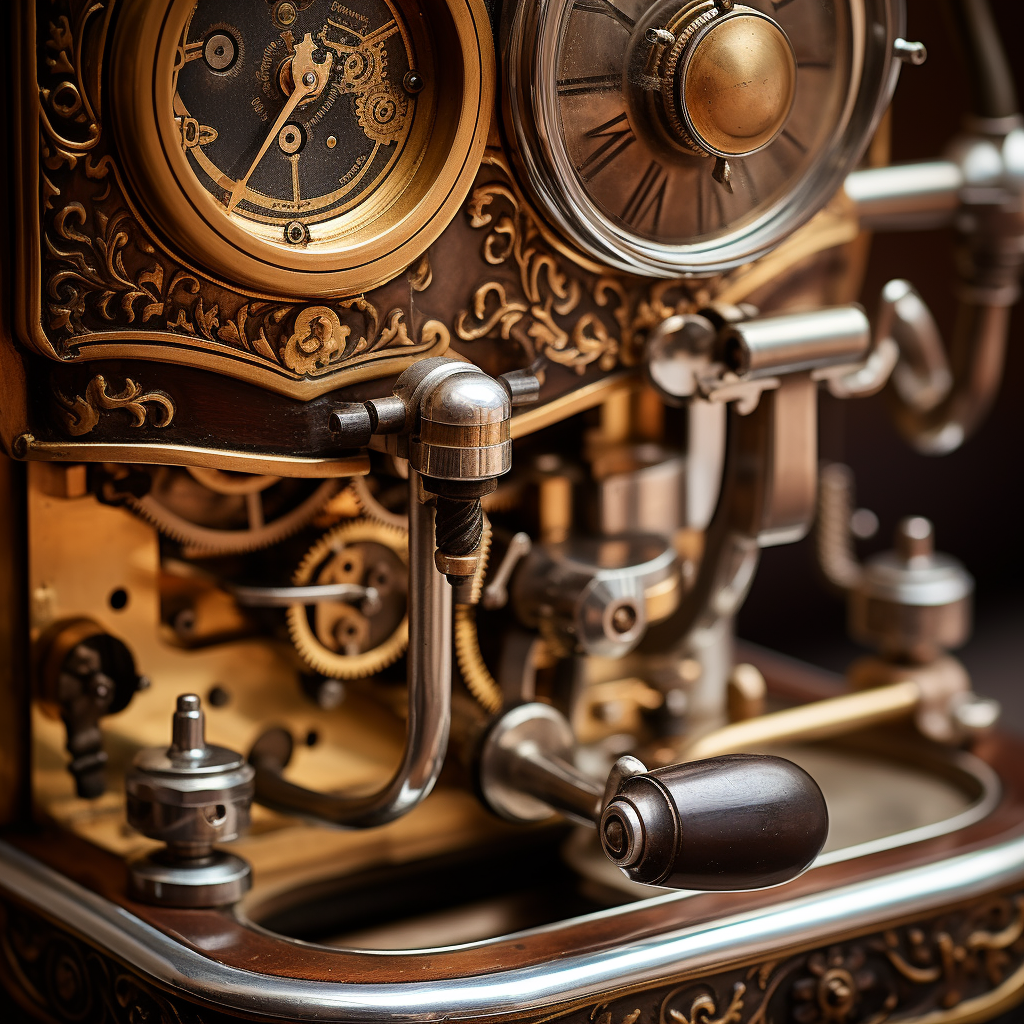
x=690, y=136
x=291, y=115
x=298, y=147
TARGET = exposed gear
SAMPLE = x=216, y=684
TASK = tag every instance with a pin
x=472, y=666
x=218, y=513
x=372, y=508
x=336, y=639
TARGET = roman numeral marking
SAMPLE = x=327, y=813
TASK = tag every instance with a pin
x=618, y=137
x=589, y=83
x=793, y=140
x=607, y=8
x=647, y=198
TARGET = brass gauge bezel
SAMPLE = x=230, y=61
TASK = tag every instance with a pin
x=371, y=243
x=532, y=121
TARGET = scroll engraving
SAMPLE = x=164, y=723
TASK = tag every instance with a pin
x=551, y=306
x=80, y=414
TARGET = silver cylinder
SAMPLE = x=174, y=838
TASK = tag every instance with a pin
x=798, y=341
x=905, y=197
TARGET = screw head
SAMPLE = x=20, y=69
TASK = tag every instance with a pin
x=309, y=79
x=624, y=618
x=296, y=233
x=286, y=13
x=413, y=82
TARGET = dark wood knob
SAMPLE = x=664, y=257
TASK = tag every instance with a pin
x=742, y=821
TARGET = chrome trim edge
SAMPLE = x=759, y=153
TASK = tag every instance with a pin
x=795, y=922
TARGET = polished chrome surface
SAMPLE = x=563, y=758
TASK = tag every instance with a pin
x=905, y=196
x=216, y=880
x=803, y=920
x=943, y=395
x=590, y=594
x=429, y=675
x=282, y=597
x=189, y=796
x=527, y=772
x=797, y=341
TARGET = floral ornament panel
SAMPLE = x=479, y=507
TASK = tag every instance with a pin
x=956, y=961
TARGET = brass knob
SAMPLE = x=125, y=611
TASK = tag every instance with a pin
x=736, y=83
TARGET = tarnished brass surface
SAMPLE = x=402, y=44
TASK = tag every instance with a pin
x=739, y=83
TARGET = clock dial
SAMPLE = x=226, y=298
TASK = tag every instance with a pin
x=291, y=121
x=688, y=136
x=301, y=147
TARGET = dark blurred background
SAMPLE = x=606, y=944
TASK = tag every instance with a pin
x=974, y=496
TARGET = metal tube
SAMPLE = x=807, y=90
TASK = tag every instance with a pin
x=559, y=784
x=429, y=682
x=907, y=196
x=820, y=720
x=798, y=341
x=977, y=355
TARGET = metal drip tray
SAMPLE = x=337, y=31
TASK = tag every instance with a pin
x=882, y=793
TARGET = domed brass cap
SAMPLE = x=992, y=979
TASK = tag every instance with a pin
x=737, y=83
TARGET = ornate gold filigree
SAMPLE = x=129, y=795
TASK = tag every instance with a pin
x=921, y=971
x=318, y=334
x=80, y=414
x=104, y=278
x=555, y=310
x=95, y=270
x=704, y=1008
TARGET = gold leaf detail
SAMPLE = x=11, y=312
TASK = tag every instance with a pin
x=317, y=335
x=81, y=414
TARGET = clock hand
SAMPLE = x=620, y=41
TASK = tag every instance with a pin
x=310, y=79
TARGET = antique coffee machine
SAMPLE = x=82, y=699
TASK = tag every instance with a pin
x=395, y=399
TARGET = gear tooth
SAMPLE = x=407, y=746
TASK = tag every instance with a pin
x=204, y=539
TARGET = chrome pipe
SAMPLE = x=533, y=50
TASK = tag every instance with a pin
x=430, y=684
x=976, y=358
x=907, y=196
x=793, y=342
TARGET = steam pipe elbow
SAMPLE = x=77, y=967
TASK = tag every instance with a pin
x=972, y=372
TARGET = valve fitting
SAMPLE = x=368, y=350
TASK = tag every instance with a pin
x=452, y=422
x=190, y=796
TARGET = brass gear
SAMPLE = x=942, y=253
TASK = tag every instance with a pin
x=207, y=540
x=311, y=647
x=468, y=655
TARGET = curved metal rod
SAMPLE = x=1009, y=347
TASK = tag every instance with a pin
x=972, y=371
x=767, y=498
x=429, y=681
x=941, y=396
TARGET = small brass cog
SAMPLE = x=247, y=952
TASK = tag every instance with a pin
x=336, y=558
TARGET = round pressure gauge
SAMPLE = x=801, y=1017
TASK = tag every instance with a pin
x=302, y=147
x=671, y=137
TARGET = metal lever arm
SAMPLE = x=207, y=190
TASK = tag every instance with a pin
x=742, y=821
x=429, y=681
